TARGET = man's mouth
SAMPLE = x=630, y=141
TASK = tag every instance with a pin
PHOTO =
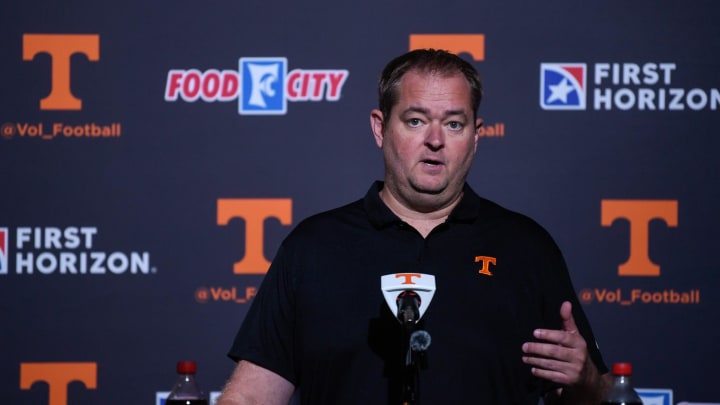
x=431, y=162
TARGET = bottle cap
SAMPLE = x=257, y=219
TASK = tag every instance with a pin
x=622, y=369
x=186, y=367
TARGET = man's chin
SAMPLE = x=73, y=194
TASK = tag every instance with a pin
x=429, y=189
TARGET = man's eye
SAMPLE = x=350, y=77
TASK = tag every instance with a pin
x=414, y=122
x=455, y=125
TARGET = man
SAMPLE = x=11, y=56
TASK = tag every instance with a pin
x=511, y=333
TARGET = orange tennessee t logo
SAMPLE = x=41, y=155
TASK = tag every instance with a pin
x=254, y=212
x=639, y=213
x=60, y=47
x=473, y=44
x=408, y=277
x=58, y=376
x=486, y=262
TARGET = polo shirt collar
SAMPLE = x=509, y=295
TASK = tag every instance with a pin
x=468, y=209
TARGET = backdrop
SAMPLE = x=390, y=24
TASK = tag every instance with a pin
x=155, y=154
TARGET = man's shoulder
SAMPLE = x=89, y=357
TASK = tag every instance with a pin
x=357, y=214
x=350, y=212
x=499, y=218
x=348, y=216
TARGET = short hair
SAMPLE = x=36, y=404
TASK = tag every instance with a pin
x=431, y=61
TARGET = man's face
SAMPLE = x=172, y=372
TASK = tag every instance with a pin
x=428, y=141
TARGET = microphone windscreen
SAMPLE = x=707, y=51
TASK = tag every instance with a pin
x=419, y=341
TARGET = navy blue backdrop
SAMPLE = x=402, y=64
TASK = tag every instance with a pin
x=150, y=172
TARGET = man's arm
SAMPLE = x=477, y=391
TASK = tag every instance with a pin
x=592, y=391
x=251, y=384
x=561, y=356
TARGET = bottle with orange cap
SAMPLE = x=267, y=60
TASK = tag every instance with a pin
x=622, y=391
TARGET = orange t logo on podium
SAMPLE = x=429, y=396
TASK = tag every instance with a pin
x=408, y=277
x=473, y=44
x=58, y=376
x=639, y=213
x=254, y=212
x=61, y=47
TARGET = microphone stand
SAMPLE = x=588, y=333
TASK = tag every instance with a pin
x=410, y=368
x=408, y=315
x=404, y=294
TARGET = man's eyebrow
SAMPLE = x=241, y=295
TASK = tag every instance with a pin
x=425, y=111
x=415, y=110
x=449, y=113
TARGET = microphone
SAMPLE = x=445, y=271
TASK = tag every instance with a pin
x=420, y=340
x=408, y=295
x=408, y=306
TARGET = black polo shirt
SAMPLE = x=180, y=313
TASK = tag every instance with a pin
x=320, y=320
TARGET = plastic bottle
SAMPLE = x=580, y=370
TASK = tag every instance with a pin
x=186, y=390
x=622, y=391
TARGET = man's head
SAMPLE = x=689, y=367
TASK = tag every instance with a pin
x=426, y=61
x=427, y=129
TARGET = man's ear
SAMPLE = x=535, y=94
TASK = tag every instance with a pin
x=478, y=125
x=377, y=124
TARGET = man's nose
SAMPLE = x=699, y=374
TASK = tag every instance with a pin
x=435, y=138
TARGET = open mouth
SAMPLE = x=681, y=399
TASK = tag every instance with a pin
x=432, y=162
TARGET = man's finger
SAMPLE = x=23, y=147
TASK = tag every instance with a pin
x=567, y=317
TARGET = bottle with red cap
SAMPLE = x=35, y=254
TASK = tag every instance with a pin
x=186, y=390
x=622, y=391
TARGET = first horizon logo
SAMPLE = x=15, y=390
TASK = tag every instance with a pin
x=562, y=86
x=262, y=86
x=3, y=251
x=70, y=250
x=620, y=86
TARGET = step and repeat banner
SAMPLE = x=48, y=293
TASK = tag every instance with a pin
x=155, y=154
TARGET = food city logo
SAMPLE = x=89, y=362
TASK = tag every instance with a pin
x=254, y=212
x=66, y=251
x=620, y=86
x=470, y=44
x=639, y=214
x=60, y=48
x=56, y=377
x=262, y=85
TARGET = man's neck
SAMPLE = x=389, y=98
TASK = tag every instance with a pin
x=424, y=222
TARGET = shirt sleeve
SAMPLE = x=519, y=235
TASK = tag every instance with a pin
x=265, y=337
x=560, y=288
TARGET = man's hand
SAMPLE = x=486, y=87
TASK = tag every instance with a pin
x=561, y=356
